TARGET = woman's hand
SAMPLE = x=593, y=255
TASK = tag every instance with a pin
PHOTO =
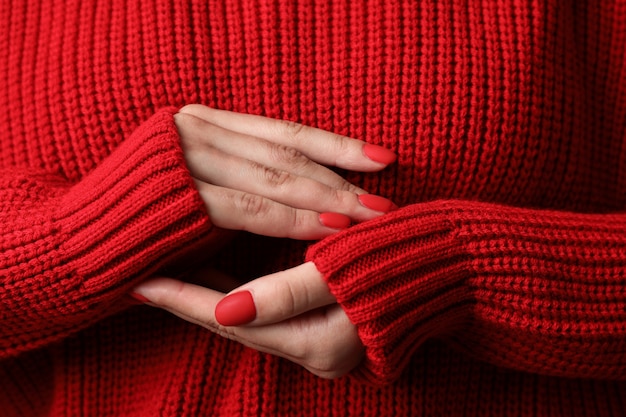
x=265, y=176
x=289, y=314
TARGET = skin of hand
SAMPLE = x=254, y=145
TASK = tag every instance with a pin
x=295, y=316
x=269, y=177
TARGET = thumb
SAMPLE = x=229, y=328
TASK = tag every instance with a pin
x=275, y=298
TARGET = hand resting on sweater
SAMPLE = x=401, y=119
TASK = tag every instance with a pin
x=268, y=177
x=290, y=314
x=264, y=175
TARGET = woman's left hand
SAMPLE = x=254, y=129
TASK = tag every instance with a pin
x=290, y=314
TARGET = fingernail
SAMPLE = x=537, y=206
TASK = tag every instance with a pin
x=376, y=203
x=379, y=154
x=139, y=297
x=335, y=220
x=236, y=309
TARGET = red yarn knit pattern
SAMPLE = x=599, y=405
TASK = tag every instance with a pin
x=497, y=289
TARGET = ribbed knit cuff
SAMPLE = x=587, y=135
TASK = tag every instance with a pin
x=134, y=212
x=533, y=290
x=401, y=280
x=80, y=247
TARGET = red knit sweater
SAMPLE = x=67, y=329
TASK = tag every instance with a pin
x=499, y=287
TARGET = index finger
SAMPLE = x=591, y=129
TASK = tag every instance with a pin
x=296, y=340
x=319, y=145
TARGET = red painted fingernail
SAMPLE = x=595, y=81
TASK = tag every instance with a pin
x=139, y=297
x=236, y=309
x=335, y=220
x=379, y=154
x=376, y=203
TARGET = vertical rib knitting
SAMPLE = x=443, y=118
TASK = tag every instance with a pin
x=497, y=289
x=77, y=247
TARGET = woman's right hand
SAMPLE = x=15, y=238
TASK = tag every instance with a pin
x=267, y=177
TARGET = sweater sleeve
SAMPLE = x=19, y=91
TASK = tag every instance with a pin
x=68, y=252
x=531, y=290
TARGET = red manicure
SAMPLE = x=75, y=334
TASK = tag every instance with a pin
x=139, y=297
x=376, y=203
x=236, y=309
x=335, y=220
x=379, y=154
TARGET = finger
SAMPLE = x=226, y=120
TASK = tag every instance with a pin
x=202, y=138
x=196, y=304
x=276, y=297
x=319, y=145
x=191, y=302
x=292, y=190
x=323, y=341
x=237, y=210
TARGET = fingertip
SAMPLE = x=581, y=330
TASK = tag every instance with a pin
x=335, y=220
x=236, y=309
x=144, y=293
x=377, y=203
x=154, y=291
x=140, y=298
x=379, y=154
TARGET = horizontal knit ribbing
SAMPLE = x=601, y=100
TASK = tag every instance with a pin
x=538, y=291
x=511, y=103
x=102, y=235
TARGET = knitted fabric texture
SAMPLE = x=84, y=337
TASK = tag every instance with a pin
x=498, y=287
x=524, y=289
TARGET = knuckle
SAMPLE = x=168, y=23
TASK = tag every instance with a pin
x=342, y=198
x=288, y=297
x=291, y=129
x=298, y=220
x=252, y=204
x=342, y=143
x=273, y=176
x=286, y=155
x=341, y=146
